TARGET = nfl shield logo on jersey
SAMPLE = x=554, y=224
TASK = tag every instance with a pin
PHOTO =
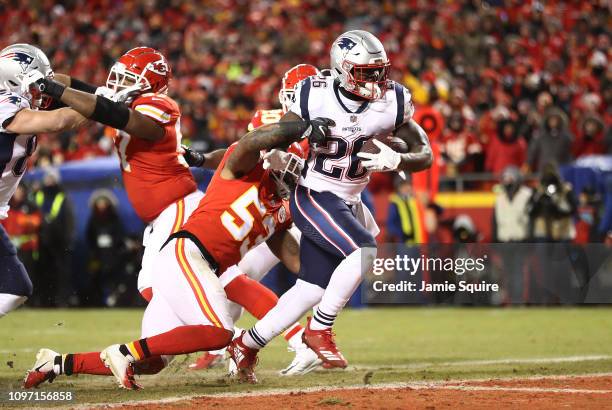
x=353, y=118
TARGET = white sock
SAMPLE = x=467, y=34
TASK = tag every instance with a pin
x=295, y=340
x=9, y=302
x=342, y=285
x=290, y=308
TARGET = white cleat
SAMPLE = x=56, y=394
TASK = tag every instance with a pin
x=121, y=366
x=43, y=370
x=305, y=361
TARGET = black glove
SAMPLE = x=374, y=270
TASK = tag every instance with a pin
x=193, y=158
x=317, y=130
x=45, y=85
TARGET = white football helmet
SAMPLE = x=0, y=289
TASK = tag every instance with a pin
x=360, y=63
x=16, y=61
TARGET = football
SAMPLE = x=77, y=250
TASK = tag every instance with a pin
x=396, y=143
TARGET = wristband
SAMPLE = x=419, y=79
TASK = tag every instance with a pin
x=52, y=88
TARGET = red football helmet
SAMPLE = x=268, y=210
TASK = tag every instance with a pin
x=142, y=67
x=285, y=168
x=286, y=95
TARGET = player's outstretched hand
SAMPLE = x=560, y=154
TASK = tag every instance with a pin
x=383, y=161
x=33, y=79
x=127, y=95
x=37, y=81
x=193, y=158
x=105, y=92
x=318, y=129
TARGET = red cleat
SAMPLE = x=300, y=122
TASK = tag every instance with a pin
x=207, y=361
x=323, y=344
x=42, y=370
x=244, y=358
x=35, y=378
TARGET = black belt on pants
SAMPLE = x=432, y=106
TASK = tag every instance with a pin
x=205, y=254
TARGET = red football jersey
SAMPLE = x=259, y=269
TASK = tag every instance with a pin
x=263, y=117
x=155, y=175
x=237, y=215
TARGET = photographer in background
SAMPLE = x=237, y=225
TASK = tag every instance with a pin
x=552, y=208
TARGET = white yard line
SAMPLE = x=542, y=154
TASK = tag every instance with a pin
x=523, y=389
x=533, y=360
x=444, y=385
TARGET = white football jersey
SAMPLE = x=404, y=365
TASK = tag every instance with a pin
x=14, y=149
x=334, y=166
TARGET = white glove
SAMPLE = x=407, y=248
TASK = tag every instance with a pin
x=105, y=92
x=30, y=79
x=384, y=161
x=127, y=94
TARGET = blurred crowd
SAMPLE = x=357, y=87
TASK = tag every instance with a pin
x=496, y=83
x=506, y=87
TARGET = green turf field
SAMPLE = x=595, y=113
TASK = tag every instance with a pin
x=382, y=345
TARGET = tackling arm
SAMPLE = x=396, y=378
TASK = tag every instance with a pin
x=114, y=114
x=289, y=129
x=100, y=109
x=246, y=154
x=29, y=121
x=420, y=156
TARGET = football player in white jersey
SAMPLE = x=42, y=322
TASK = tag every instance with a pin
x=337, y=245
x=20, y=121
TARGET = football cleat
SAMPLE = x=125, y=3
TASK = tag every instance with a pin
x=121, y=365
x=323, y=344
x=244, y=359
x=207, y=361
x=305, y=361
x=43, y=370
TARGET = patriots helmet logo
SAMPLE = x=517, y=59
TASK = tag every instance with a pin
x=23, y=59
x=346, y=43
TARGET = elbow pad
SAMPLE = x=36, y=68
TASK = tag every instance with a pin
x=111, y=113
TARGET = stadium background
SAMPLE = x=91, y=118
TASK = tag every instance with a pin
x=487, y=79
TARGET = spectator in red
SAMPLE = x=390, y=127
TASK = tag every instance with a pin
x=590, y=138
x=459, y=147
x=508, y=148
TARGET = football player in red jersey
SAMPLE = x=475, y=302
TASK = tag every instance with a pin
x=156, y=177
x=242, y=209
x=258, y=262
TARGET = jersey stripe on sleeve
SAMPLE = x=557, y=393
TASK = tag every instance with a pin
x=399, y=98
x=304, y=93
x=154, y=113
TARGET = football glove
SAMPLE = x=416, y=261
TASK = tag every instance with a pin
x=127, y=95
x=317, y=130
x=192, y=158
x=384, y=161
x=105, y=92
